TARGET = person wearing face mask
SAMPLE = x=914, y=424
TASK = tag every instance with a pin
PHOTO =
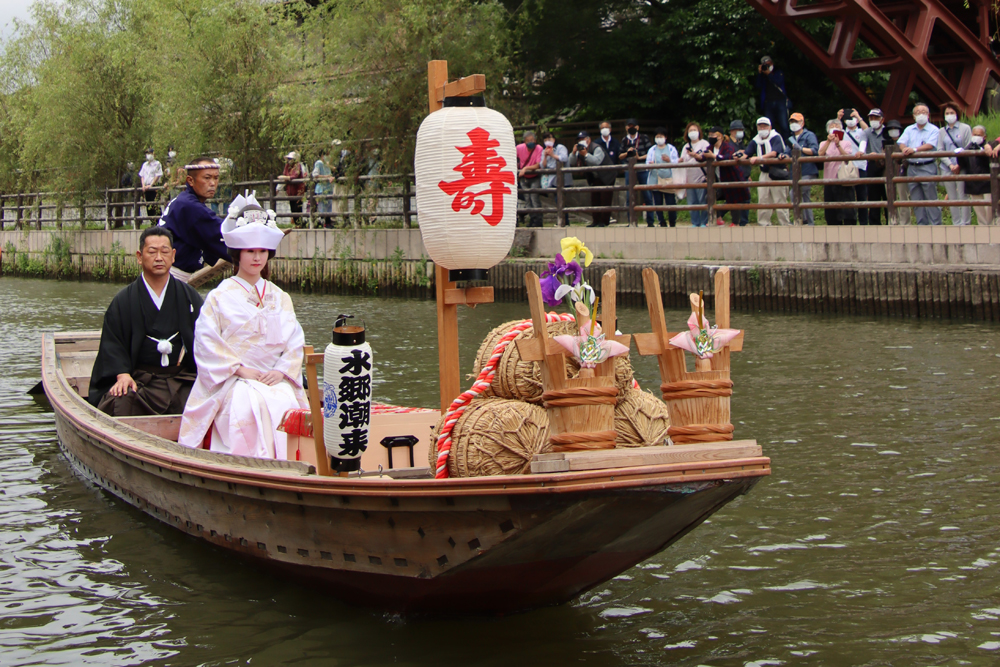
x=977, y=164
x=921, y=137
x=694, y=152
x=773, y=95
x=529, y=159
x=837, y=144
x=635, y=145
x=662, y=153
x=613, y=149
x=551, y=154
x=589, y=153
x=809, y=145
x=766, y=145
x=953, y=137
x=875, y=139
x=901, y=214
x=150, y=175
x=292, y=177
x=855, y=132
x=725, y=150
x=737, y=134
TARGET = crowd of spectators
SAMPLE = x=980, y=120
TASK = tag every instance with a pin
x=778, y=132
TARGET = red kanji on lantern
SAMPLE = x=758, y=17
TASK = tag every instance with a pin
x=480, y=165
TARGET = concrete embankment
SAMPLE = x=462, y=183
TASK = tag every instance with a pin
x=923, y=272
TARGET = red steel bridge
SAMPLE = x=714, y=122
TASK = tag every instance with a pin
x=938, y=49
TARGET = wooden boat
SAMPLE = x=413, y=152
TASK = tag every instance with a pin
x=398, y=539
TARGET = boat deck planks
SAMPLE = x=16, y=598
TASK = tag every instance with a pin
x=645, y=456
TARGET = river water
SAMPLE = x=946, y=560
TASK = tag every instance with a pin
x=874, y=542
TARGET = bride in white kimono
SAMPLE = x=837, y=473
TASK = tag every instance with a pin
x=248, y=348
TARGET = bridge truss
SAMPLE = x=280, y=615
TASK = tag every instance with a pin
x=939, y=49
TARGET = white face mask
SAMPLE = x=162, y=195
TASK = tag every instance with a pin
x=794, y=127
x=950, y=118
x=693, y=135
x=149, y=157
x=605, y=131
x=763, y=134
x=739, y=135
x=851, y=123
x=660, y=141
x=894, y=134
x=172, y=154
x=978, y=140
x=876, y=124
x=921, y=119
x=549, y=143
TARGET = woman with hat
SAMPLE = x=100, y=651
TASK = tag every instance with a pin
x=248, y=344
x=292, y=178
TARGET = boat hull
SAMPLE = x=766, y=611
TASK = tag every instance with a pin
x=486, y=545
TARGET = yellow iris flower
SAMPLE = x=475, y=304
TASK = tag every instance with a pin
x=572, y=246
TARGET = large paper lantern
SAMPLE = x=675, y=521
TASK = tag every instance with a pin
x=347, y=395
x=466, y=169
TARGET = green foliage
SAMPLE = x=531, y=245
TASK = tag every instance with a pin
x=58, y=257
x=378, y=50
x=677, y=61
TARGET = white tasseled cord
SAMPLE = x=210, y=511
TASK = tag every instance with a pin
x=164, y=347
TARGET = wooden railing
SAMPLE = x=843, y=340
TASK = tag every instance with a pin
x=367, y=199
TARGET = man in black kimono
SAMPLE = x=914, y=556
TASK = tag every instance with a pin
x=144, y=365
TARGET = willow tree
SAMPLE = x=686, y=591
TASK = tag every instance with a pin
x=218, y=66
x=77, y=92
x=364, y=74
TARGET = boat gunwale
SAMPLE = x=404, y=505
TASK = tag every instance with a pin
x=77, y=410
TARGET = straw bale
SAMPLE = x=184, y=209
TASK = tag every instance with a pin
x=641, y=419
x=495, y=436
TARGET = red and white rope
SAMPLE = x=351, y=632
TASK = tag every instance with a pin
x=486, y=375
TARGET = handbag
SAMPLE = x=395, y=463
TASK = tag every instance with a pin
x=778, y=173
x=846, y=171
x=664, y=180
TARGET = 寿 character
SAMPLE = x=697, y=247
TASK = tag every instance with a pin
x=481, y=165
x=357, y=362
x=355, y=415
x=355, y=442
x=354, y=388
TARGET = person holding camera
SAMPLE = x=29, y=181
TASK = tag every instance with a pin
x=737, y=135
x=856, y=131
x=953, y=137
x=589, y=153
x=766, y=145
x=694, y=151
x=635, y=145
x=773, y=95
x=834, y=145
x=876, y=140
x=726, y=150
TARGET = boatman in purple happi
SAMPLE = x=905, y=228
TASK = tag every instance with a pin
x=195, y=227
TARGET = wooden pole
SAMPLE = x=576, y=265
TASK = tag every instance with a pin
x=890, y=184
x=560, y=195
x=450, y=382
x=796, y=173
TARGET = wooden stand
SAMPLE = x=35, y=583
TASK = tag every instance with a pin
x=448, y=295
x=581, y=410
x=699, y=401
x=316, y=410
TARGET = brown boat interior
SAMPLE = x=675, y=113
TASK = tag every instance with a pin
x=77, y=351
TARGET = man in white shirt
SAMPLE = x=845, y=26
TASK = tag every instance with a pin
x=953, y=137
x=150, y=175
x=921, y=137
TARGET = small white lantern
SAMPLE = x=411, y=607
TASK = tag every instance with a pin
x=466, y=168
x=347, y=395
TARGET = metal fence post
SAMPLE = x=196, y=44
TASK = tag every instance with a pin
x=107, y=210
x=890, y=183
x=19, y=220
x=796, y=172
x=135, y=208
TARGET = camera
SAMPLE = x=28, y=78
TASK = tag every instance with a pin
x=581, y=146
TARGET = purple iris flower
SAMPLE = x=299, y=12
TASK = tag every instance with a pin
x=549, y=286
x=574, y=272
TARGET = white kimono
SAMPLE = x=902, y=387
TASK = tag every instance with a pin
x=233, y=330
